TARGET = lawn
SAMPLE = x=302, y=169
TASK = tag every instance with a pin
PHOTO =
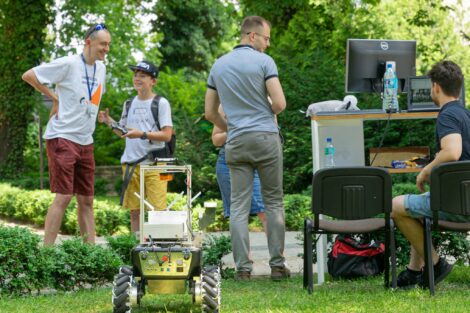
x=263, y=295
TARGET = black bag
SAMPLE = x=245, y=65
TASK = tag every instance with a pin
x=352, y=259
x=165, y=152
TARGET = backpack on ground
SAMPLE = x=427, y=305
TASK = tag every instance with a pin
x=350, y=258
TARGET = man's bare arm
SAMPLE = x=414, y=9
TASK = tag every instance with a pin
x=276, y=94
x=451, y=150
x=30, y=77
x=219, y=137
x=211, y=109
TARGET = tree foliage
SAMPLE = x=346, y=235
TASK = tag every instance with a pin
x=309, y=47
x=194, y=31
x=22, y=35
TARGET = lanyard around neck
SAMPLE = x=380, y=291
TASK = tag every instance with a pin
x=90, y=88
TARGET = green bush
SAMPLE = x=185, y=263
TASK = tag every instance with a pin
x=25, y=266
x=214, y=248
x=101, y=187
x=32, y=206
x=404, y=188
x=122, y=245
x=297, y=208
x=78, y=264
x=32, y=182
x=20, y=261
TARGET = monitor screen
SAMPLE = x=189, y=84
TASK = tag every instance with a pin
x=365, y=63
x=419, y=94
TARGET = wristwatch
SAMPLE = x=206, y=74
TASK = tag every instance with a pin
x=144, y=136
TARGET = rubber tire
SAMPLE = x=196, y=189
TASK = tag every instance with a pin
x=121, y=285
x=210, y=284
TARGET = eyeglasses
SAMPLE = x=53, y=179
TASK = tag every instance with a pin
x=98, y=27
x=266, y=38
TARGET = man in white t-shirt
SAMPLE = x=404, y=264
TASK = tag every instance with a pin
x=144, y=134
x=79, y=84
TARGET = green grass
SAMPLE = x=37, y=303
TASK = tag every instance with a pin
x=263, y=295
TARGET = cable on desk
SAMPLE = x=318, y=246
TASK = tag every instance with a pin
x=383, y=137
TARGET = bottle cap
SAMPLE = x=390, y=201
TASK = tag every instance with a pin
x=328, y=139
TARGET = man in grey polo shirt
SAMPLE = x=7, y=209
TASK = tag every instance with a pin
x=241, y=82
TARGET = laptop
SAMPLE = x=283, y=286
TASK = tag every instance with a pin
x=419, y=95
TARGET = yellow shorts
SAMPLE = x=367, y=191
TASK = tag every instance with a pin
x=155, y=190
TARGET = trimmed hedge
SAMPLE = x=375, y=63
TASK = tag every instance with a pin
x=31, y=206
x=25, y=266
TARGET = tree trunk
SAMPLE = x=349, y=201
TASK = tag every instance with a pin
x=22, y=35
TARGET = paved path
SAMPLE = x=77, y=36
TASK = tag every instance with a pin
x=260, y=255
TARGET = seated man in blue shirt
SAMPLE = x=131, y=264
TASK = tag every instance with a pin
x=453, y=144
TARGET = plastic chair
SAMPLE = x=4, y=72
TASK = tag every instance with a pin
x=450, y=192
x=354, y=196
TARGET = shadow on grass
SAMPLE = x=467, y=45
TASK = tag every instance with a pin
x=167, y=303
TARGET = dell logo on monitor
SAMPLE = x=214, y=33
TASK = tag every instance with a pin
x=384, y=45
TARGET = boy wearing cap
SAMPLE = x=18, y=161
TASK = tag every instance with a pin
x=143, y=136
x=79, y=84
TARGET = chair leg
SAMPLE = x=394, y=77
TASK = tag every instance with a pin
x=428, y=266
x=308, y=256
x=387, y=258
x=393, y=257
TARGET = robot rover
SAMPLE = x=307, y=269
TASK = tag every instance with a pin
x=168, y=258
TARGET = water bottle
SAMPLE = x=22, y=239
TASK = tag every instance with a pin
x=329, y=153
x=390, y=100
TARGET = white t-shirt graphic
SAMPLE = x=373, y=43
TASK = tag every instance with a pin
x=78, y=108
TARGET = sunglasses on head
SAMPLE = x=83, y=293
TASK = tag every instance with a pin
x=98, y=27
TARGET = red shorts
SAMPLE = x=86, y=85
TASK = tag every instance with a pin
x=71, y=167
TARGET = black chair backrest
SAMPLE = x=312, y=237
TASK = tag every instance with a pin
x=351, y=193
x=450, y=188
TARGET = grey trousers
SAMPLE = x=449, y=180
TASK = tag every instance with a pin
x=245, y=153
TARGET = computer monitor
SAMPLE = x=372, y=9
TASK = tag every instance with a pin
x=365, y=63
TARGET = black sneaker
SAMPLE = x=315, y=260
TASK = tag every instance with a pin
x=409, y=278
x=441, y=270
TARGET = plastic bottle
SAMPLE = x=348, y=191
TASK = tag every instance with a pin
x=329, y=153
x=390, y=100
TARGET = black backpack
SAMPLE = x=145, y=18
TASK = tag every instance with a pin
x=170, y=146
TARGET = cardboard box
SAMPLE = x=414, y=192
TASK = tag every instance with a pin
x=385, y=156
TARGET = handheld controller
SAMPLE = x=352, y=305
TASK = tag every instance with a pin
x=120, y=128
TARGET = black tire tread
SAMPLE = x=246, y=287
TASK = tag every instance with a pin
x=125, y=270
x=211, y=289
x=120, y=297
x=122, y=280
